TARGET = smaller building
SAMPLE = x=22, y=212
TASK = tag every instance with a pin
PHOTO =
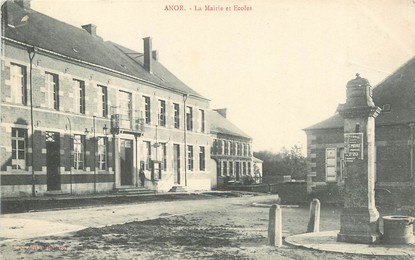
x=257, y=170
x=231, y=150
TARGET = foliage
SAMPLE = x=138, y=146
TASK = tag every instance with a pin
x=287, y=162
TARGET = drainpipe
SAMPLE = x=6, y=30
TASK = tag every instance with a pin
x=32, y=53
x=70, y=152
x=185, y=96
x=95, y=158
x=412, y=151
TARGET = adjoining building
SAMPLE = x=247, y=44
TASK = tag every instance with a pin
x=231, y=150
x=394, y=135
x=83, y=115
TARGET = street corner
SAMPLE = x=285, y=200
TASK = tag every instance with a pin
x=15, y=228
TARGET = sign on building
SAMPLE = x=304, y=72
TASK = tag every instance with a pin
x=354, y=146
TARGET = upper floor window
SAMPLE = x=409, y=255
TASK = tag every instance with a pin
x=162, y=113
x=19, y=148
x=226, y=148
x=202, y=120
x=189, y=118
x=18, y=84
x=176, y=109
x=52, y=91
x=125, y=105
x=239, y=149
x=147, y=109
x=103, y=102
x=233, y=148
x=78, y=152
x=80, y=96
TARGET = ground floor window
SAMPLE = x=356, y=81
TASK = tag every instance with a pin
x=334, y=164
x=190, y=157
x=19, y=148
x=78, y=152
x=202, y=162
x=102, y=153
x=230, y=168
x=225, y=168
x=164, y=152
x=147, y=154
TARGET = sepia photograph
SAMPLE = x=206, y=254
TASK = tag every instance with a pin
x=207, y=129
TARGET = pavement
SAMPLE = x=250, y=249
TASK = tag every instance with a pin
x=326, y=241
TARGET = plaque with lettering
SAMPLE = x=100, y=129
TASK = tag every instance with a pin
x=354, y=146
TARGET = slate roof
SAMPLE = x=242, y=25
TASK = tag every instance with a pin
x=219, y=124
x=397, y=90
x=44, y=32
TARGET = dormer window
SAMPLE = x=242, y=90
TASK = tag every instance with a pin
x=386, y=108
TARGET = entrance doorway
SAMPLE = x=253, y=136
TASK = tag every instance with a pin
x=126, y=154
x=53, y=178
x=176, y=163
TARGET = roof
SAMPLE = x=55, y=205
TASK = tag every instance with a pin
x=257, y=160
x=36, y=29
x=219, y=124
x=397, y=91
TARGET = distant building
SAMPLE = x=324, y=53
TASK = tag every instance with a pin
x=231, y=150
x=83, y=115
x=394, y=134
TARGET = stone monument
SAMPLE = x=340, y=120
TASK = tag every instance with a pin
x=359, y=217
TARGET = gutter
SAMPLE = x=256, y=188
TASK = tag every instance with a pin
x=100, y=67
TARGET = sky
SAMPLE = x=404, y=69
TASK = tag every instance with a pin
x=277, y=66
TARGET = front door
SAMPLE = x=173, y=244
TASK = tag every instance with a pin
x=53, y=178
x=126, y=154
x=176, y=162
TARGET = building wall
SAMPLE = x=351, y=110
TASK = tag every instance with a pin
x=231, y=158
x=393, y=157
x=67, y=121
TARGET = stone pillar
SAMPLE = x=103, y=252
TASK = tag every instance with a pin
x=275, y=226
x=314, y=220
x=359, y=218
x=117, y=163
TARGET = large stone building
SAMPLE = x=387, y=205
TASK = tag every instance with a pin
x=83, y=115
x=394, y=135
x=231, y=150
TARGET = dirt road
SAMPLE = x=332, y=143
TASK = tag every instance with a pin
x=230, y=228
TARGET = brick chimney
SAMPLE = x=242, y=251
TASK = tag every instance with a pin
x=147, y=53
x=155, y=55
x=25, y=4
x=90, y=28
x=221, y=111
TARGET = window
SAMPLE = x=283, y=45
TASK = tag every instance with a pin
x=162, y=113
x=225, y=168
x=226, y=148
x=220, y=147
x=52, y=91
x=214, y=149
x=147, y=154
x=231, y=168
x=78, y=152
x=190, y=158
x=202, y=120
x=202, y=162
x=147, y=110
x=19, y=148
x=239, y=147
x=189, y=118
x=103, y=103
x=18, y=84
x=176, y=115
x=164, y=159
x=331, y=163
x=245, y=151
x=249, y=168
x=233, y=148
x=102, y=153
x=79, y=96
x=125, y=106
x=244, y=168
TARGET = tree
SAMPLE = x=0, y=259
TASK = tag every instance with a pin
x=287, y=162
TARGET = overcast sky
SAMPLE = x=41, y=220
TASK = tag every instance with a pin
x=279, y=68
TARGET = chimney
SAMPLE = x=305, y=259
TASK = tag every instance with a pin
x=221, y=111
x=155, y=55
x=147, y=53
x=25, y=4
x=90, y=28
